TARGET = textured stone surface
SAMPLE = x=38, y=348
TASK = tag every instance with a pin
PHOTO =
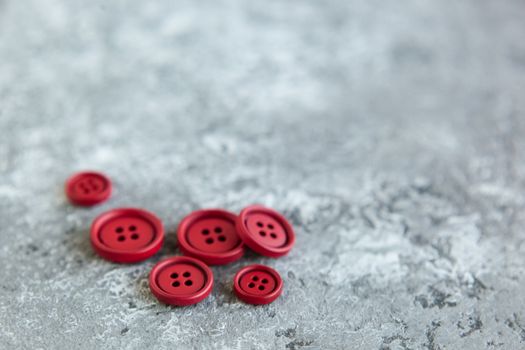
x=390, y=133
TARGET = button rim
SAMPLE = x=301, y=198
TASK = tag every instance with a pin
x=180, y=300
x=247, y=236
x=116, y=255
x=257, y=299
x=87, y=202
x=220, y=258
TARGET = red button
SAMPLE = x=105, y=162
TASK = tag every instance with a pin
x=127, y=235
x=265, y=231
x=257, y=284
x=181, y=281
x=88, y=188
x=210, y=235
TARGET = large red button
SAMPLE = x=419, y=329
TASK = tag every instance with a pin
x=210, y=235
x=127, y=235
x=257, y=284
x=265, y=231
x=181, y=280
x=88, y=188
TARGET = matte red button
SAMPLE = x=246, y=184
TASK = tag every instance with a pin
x=127, y=235
x=181, y=281
x=265, y=231
x=88, y=188
x=257, y=284
x=210, y=235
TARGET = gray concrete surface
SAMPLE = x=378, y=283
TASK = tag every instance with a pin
x=391, y=133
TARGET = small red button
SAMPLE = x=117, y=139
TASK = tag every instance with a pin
x=265, y=231
x=181, y=281
x=127, y=235
x=88, y=188
x=210, y=235
x=257, y=284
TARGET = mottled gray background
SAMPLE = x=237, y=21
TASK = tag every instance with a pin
x=391, y=133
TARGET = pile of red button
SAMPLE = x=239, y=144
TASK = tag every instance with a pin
x=212, y=236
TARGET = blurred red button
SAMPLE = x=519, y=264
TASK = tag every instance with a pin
x=88, y=188
x=265, y=231
x=127, y=235
x=257, y=284
x=181, y=281
x=210, y=235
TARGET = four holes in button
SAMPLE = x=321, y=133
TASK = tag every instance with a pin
x=218, y=230
x=254, y=283
x=188, y=282
x=122, y=237
x=88, y=185
x=270, y=227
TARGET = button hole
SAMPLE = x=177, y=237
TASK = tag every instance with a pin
x=188, y=283
x=270, y=226
x=255, y=278
x=135, y=236
x=264, y=280
x=176, y=284
x=273, y=235
x=209, y=240
x=205, y=232
x=186, y=274
x=261, y=287
x=174, y=275
x=218, y=230
x=251, y=285
x=260, y=224
x=132, y=228
x=121, y=238
x=119, y=230
x=262, y=233
x=222, y=238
